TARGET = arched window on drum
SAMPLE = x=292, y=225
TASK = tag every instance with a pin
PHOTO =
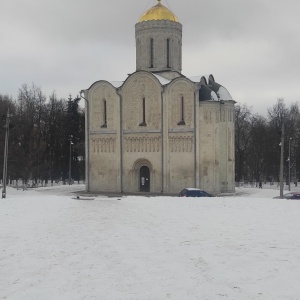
x=104, y=114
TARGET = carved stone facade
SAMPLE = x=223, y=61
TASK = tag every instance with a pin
x=159, y=131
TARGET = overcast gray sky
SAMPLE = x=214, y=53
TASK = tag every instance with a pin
x=251, y=47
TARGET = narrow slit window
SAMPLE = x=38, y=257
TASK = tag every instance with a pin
x=104, y=114
x=151, y=53
x=168, y=53
x=182, y=122
x=144, y=113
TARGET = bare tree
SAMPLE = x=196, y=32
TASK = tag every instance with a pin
x=242, y=138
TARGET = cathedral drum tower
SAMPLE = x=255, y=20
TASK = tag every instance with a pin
x=159, y=131
x=158, y=41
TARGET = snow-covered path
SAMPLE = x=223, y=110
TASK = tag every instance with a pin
x=140, y=248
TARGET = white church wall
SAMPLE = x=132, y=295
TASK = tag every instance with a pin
x=181, y=162
x=103, y=91
x=104, y=135
x=227, y=147
x=180, y=90
x=180, y=139
x=231, y=147
x=141, y=85
x=142, y=142
x=217, y=146
x=105, y=168
x=209, y=146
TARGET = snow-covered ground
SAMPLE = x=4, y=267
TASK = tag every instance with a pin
x=53, y=247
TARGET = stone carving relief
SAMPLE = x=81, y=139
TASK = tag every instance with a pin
x=142, y=144
x=106, y=145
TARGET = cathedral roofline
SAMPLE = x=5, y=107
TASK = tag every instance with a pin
x=209, y=89
x=115, y=84
x=160, y=80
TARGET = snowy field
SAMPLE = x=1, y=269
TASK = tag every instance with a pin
x=54, y=247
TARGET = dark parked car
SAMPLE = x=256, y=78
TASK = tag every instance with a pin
x=191, y=192
x=290, y=196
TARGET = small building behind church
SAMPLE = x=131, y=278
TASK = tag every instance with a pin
x=159, y=131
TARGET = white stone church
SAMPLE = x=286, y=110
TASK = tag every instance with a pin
x=159, y=131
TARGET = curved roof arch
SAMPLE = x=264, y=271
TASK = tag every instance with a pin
x=178, y=79
x=114, y=84
x=140, y=72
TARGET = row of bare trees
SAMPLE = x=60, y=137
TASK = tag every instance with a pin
x=42, y=130
x=40, y=134
x=257, y=139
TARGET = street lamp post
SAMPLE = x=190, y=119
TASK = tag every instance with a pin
x=87, y=144
x=281, y=161
x=290, y=163
x=70, y=160
x=5, y=155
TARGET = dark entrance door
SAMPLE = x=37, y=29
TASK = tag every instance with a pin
x=144, y=179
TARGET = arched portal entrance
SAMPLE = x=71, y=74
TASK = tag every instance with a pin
x=144, y=179
x=143, y=175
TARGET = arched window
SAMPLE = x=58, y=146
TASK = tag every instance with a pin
x=143, y=113
x=168, y=54
x=104, y=116
x=181, y=122
x=151, y=53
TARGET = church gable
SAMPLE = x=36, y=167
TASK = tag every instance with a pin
x=181, y=104
x=103, y=106
x=141, y=101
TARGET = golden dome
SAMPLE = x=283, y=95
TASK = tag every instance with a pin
x=158, y=12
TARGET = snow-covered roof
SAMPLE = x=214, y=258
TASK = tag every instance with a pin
x=211, y=90
x=161, y=79
x=220, y=90
x=224, y=94
x=214, y=96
